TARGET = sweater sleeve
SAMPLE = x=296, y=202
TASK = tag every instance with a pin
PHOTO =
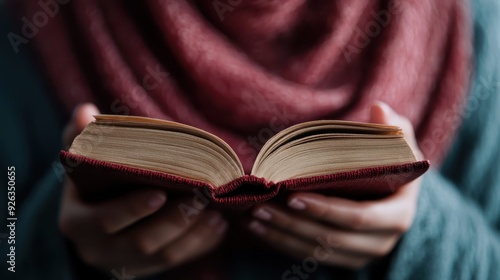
x=450, y=238
x=30, y=141
x=455, y=234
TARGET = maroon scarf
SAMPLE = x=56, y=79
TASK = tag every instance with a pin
x=245, y=69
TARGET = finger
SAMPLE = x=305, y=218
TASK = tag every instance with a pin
x=356, y=243
x=163, y=228
x=320, y=251
x=119, y=213
x=392, y=214
x=206, y=233
x=82, y=116
x=383, y=114
x=74, y=217
x=131, y=246
x=79, y=219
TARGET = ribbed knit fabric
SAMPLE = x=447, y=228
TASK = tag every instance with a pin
x=244, y=70
x=455, y=234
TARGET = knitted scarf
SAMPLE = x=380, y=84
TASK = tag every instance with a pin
x=246, y=69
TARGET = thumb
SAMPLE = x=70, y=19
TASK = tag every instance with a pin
x=82, y=116
x=382, y=113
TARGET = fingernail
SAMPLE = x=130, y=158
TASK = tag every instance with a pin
x=386, y=108
x=214, y=219
x=297, y=204
x=157, y=200
x=382, y=104
x=93, y=109
x=263, y=214
x=257, y=227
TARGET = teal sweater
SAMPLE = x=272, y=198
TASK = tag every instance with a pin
x=455, y=235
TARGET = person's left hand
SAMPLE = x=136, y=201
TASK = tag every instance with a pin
x=355, y=232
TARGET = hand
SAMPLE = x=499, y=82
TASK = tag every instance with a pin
x=139, y=230
x=342, y=232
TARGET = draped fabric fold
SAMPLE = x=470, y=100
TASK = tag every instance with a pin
x=246, y=69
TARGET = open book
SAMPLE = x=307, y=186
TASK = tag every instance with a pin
x=338, y=157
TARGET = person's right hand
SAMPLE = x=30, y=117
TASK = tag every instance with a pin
x=138, y=231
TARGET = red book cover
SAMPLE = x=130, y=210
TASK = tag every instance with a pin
x=98, y=180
